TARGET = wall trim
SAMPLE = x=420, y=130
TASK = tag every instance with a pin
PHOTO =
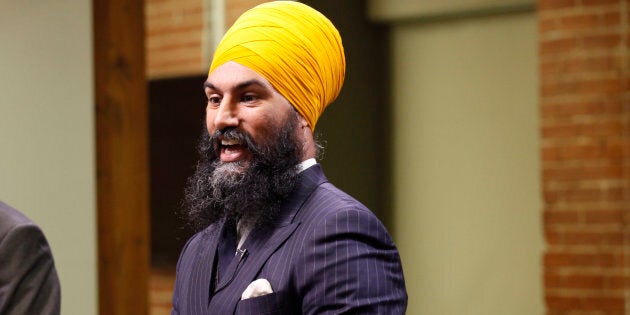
x=434, y=14
x=122, y=156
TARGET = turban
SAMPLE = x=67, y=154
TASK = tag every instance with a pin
x=296, y=48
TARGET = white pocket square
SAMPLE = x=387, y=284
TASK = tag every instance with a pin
x=257, y=288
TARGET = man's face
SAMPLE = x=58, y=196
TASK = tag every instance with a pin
x=239, y=98
x=249, y=155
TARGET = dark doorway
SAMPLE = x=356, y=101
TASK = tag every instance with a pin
x=176, y=121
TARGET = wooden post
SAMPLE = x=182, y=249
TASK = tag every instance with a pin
x=122, y=158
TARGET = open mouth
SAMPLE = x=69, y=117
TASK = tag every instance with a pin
x=232, y=150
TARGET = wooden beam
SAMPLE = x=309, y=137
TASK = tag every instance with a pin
x=122, y=157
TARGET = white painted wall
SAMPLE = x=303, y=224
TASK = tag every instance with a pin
x=47, y=159
x=467, y=204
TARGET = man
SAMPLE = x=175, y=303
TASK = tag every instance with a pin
x=277, y=237
x=28, y=279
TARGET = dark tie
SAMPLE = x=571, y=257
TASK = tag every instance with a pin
x=227, y=247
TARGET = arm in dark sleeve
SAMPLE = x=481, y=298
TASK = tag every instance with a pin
x=28, y=278
x=352, y=267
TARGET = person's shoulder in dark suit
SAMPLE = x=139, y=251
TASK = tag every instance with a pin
x=28, y=278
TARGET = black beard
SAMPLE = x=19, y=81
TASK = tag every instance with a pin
x=249, y=191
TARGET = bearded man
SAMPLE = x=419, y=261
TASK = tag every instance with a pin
x=275, y=236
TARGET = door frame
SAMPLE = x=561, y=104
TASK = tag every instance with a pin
x=121, y=157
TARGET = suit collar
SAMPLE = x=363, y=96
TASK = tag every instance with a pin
x=263, y=242
x=310, y=178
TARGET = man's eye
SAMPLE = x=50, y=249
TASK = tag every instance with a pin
x=247, y=98
x=214, y=100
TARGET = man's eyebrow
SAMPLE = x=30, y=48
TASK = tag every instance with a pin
x=249, y=83
x=208, y=85
x=239, y=86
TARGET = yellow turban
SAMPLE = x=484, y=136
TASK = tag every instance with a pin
x=296, y=48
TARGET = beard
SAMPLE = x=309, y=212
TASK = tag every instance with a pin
x=250, y=191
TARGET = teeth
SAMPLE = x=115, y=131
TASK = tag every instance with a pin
x=230, y=142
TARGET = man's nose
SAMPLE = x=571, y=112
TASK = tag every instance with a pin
x=226, y=115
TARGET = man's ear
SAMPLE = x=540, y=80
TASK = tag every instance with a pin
x=303, y=123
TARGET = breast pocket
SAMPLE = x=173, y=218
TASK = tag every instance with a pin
x=268, y=304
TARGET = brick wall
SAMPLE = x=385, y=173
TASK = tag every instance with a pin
x=584, y=125
x=177, y=34
x=174, y=31
x=234, y=8
x=161, y=287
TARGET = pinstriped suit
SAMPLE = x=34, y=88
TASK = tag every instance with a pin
x=327, y=254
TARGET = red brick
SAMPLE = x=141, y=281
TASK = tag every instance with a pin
x=561, y=259
x=176, y=62
x=615, y=238
x=575, y=281
x=580, y=151
x=599, y=86
x=603, y=86
x=578, y=195
x=574, y=173
x=599, y=41
x=604, y=217
x=558, y=45
x=561, y=217
x=556, y=131
x=610, y=127
x=612, y=19
x=572, y=66
x=546, y=25
x=616, y=194
x=581, y=108
x=581, y=21
x=552, y=237
x=582, y=238
x=563, y=303
x=174, y=28
x=618, y=282
x=553, y=281
x=606, y=303
x=600, y=2
x=583, y=195
x=170, y=9
x=550, y=154
x=550, y=197
x=544, y=5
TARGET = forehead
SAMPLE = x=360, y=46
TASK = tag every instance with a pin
x=232, y=74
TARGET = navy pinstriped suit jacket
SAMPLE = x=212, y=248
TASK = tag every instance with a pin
x=327, y=254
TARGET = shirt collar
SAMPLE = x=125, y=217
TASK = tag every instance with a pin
x=306, y=164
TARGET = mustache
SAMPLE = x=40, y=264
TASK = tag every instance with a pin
x=232, y=134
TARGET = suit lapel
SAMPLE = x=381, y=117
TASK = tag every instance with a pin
x=206, y=257
x=242, y=271
x=263, y=242
x=258, y=247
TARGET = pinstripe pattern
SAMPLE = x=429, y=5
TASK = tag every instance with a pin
x=328, y=254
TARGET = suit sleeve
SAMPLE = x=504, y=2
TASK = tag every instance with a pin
x=28, y=279
x=351, y=266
